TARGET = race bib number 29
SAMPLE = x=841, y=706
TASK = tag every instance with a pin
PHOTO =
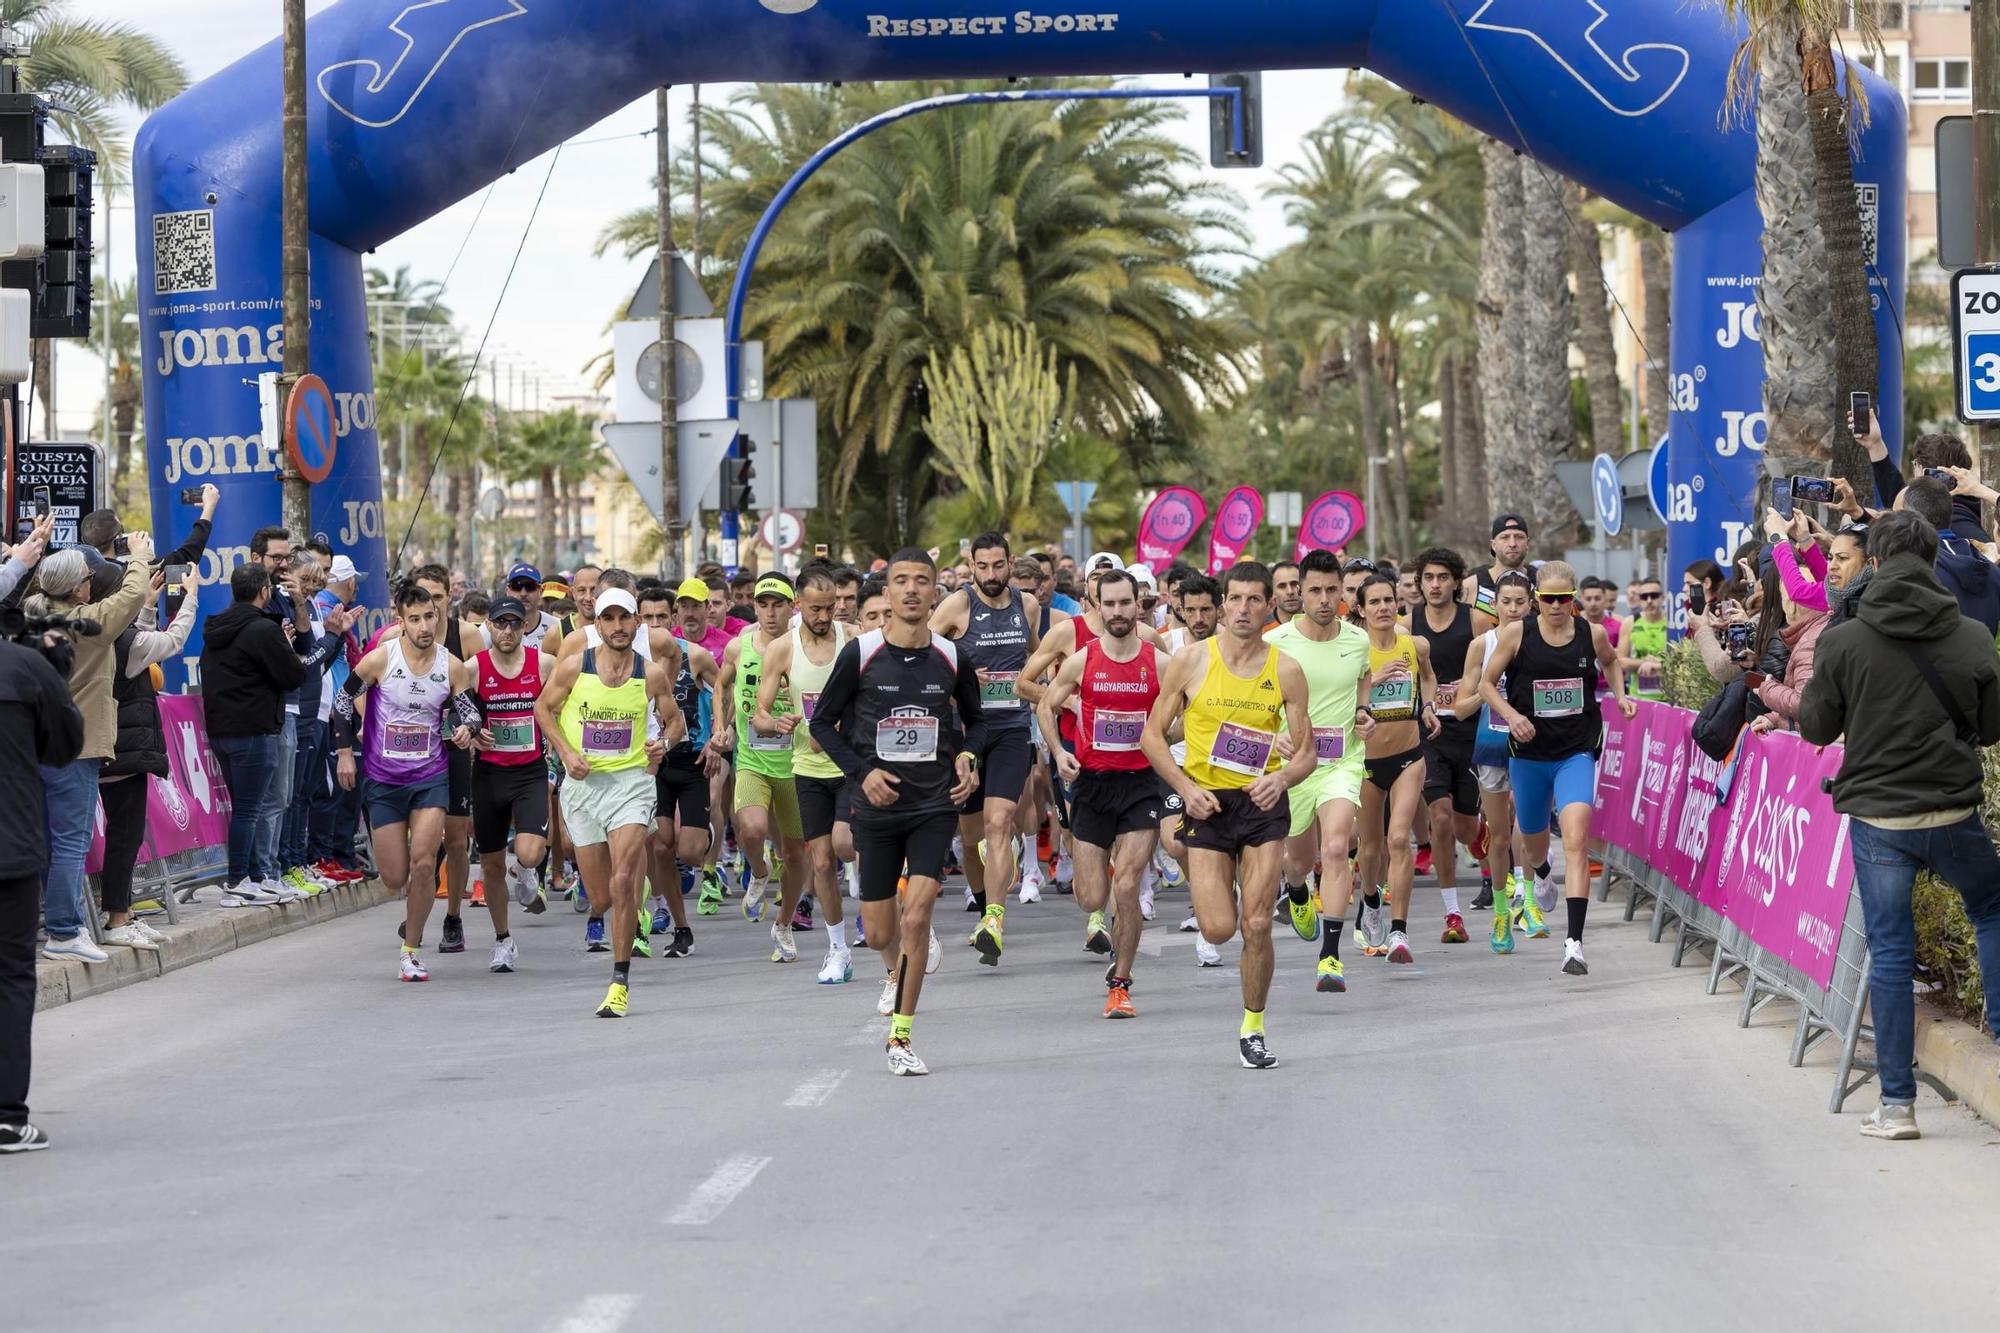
x=907, y=738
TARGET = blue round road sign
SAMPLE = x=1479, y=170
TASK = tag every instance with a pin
x=1608, y=492
x=309, y=428
x=1657, y=480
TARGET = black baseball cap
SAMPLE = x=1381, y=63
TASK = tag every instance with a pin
x=504, y=607
x=1509, y=523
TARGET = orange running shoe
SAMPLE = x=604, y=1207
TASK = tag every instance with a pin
x=1118, y=1003
x=478, y=893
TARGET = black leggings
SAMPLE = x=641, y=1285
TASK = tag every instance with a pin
x=124, y=828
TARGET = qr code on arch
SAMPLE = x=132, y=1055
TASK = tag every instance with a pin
x=184, y=252
x=1868, y=204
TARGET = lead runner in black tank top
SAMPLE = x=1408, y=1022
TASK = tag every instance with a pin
x=1451, y=779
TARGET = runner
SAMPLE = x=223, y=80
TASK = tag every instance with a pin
x=456, y=635
x=691, y=608
x=1286, y=594
x=404, y=761
x=595, y=710
x=901, y=716
x=680, y=788
x=1401, y=688
x=995, y=628
x=1513, y=601
x=1036, y=813
x=798, y=664
x=1333, y=656
x=1551, y=663
x=1200, y=604
x=1451, y=786
x=510, y=787
x=1231, y=695
x=1510, y=551
x=1352, y=575
x=1116, y=807
x=767, y=802
x=524, y=582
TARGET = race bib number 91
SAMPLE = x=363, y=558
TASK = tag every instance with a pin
x=513, y=737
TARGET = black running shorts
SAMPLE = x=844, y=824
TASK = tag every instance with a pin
x=680, y=789
x=1449, y=774
x=458, y=775
x=1239, y=825
x=822, y=804
x=1003, y=769
x=885, y=842
x=1383, y=772
x=1104, y=805
x=508, y=796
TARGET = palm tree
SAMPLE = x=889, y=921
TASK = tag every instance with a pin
x=405, y=317
x=1593, y=329
x=117, y=307
x=538, y=451
x=1544, y=295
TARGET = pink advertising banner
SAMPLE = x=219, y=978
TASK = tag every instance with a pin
x=1236, y=520
x=1168, y=524
x=190, y=807
x=1330, y=522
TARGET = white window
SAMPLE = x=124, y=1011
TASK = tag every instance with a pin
x=1941, y=79
x=1889, y=13
x=1889, y=65
x=1923, y=169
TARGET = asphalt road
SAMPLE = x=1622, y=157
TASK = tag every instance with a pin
x=288, y=1138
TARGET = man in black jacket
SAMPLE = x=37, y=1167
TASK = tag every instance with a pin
x=1967, y=575
x=1915, y=687
x=248, y=667
x=39, y=727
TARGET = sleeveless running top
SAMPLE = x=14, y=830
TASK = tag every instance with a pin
x=695, y=706
x=1114, y=699
x=1231, y=724
x=1555, y=687
x=1333, y=671
x=1394, y=700
x=607, y=723
x=510, y=710
x=756, y=752
x=1066, y=724
x=1485, y=592
x=804, y=680
x=996, y=642
x=1490, y=744
x=402, y=735
x=533, y=635
x=1448, y=649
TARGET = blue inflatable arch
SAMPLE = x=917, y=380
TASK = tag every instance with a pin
x=414, y=104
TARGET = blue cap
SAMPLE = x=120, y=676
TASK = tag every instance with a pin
x=524, y=572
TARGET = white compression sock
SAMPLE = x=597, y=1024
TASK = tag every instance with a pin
x=1450, y=901
x=836, y=934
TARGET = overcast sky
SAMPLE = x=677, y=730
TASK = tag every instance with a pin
x=554, y=313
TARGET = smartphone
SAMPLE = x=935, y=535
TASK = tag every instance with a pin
x=822, y=550
x=44, y=501
x=1781, y=500
x=190, y=495
x=121, y=546
x=176, y=575
x=965, y=546
x=1861, y=410
x=1939, y=474
x=1738, y=637
x=1819, y=490
x=1697, y=600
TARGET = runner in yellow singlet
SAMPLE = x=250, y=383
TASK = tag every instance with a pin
x=1233, y=696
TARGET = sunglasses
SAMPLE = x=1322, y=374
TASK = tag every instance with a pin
x=1651, y=596
x=1556, y=598
x=1358, y=567
x=524, y=586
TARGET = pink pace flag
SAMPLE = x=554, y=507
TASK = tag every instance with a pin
x=1169, y=524
x=1236, y=520
x=1330, y=522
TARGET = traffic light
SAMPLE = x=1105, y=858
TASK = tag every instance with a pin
x=1224, y=149
x=58, y=280
x=739, y=493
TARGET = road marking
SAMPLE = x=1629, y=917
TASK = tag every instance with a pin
x=1151, y=948
x=600, y=1314
x=815, y=1090
x=718, y=1191
x=873, y=1033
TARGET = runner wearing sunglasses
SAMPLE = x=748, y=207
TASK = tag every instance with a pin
x=1646, y=638
x=1550, y=663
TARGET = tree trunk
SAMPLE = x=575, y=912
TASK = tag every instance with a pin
x=1655, y=258
x=1473, y=509
x=455, y=504
x=467, y=479
x=1447, y=445
x=1593, y=334
x=1362, y=357
x=1549, y=420
x=1399, y=460
x=1499, y=317
x=545, y=509
x=1849, y=257
x=1794, y=303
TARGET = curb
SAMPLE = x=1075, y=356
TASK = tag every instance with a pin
x=208, y=935
x=1965, y=1059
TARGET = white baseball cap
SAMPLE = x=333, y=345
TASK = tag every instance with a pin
x=1103, y=558
x=1143, y=576
x=613, y=599
x=343, y=570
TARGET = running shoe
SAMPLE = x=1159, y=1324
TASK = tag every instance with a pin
x=753, y=898
x=1375, y=932
x=1189, y=923
x=641, y=946
x=935, y=957
x=802, y=915
x=988, y=938
x=1596, y=868
x=710, y=901
x=1545, y=892
x=22, y=1138
x=1454, y=929
x=1503, y=932
x=683, y=943
x=1146, y=899
x=1890, y=1121
x=615, y=1001
x=537, y=904
x=1206, y=954
x=579, y=899
x=1095, y=937
x=1118, y=1002
x=886, y=1005
x=1573, y=959
x=1423, y=865
x=838, y=968
x=412, y=968
x=1305, y=917
x=1483, y=902
x=784, y=949
x=297, y=879
x=1031, y=883
x=521, y=881
x=1171, y=873
x=336, y=872
x=453, y=939
x=904, y=1061
x=1065, y=872
x=504, y=956
x=971, y=902
x=662, y=923
x=593, y=936
x=1399, y=947
x=1332, y=977
x=1532, y=923
x=1254, y=1053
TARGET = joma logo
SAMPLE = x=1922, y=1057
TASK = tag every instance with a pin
x=185, y=349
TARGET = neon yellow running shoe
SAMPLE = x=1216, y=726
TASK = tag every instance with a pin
x=1532, y=923
x=1305, y=916
x=988, y=939
x=615, y=1000
x=1096, y=938
x=1503, y=931
x=1332, y=977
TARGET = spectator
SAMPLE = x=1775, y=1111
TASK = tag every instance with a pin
x=248, y=670
x=101, y=530
x=1798, y=626
x=474, y=607
x=1047, y=594
x=321, y=551
x=24, y=556
x=71, y=805
x=327, y=631
x=41, y=731
x=1646, y=637
x=1965, y=573
x=1594, y=598
x=1914, y=685
x=273, y=546
x=1847, y=573
x=459, y=585
x=1926, y=452
x=1705, y=577
x=1800, y=561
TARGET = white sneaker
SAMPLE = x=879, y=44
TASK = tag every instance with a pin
x=1031, y=883
x=1206, y=954
x=1545, y=893
x=132, y=936
x=504, y=956
x=854, y=880
x=904, y=1061
x=1146, y=895
x=936, y=955
x=971, y=903
x=1399, y=946
x=79, y=945
x=1374, y=930
x=1190, y=923
x=1065, y=868
x=1573, y=959
x=1170, y=872
x=887, y=1004
x=155, y=936
x=247, y=893
x=784, y=949
x=838, y=968
x=411, y=968
x=281, y=892
x=1889, y=1121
